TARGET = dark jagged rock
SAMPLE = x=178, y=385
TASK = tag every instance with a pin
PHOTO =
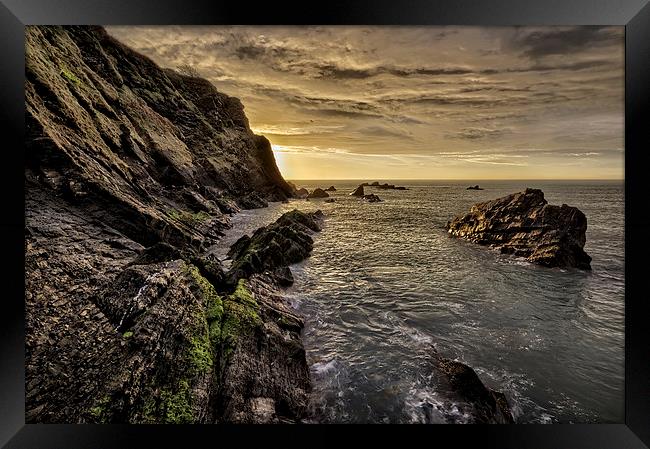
x=330, y=189
x=318, y=193
x=476, y=187
x=330, y=200
x=282, y=276
x=106, y=125
x=131, y=172
x=386, y=186
x=252, y=200
x=358, y=191
x=302, y=193
x=227, y=206
x=266, y=375
x=270, y=384
x=282, y=243
x=372, y=198
x=525, y=225
x=486, y=406
x=160, y=252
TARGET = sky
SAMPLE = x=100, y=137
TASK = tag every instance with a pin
x=401, y=102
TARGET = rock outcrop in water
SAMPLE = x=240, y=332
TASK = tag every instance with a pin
x=524, y=224
x=330, y=189
x=131, y=172
x=280, y=244
x=358, y=191
x=384, y=186
x=318, y=193
x=372, y=198
x=302, y=193
x=387, y=186
x=265, y=376
x=476, y=187
x=485, y=406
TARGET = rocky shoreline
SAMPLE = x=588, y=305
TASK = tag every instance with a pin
x=132, y=173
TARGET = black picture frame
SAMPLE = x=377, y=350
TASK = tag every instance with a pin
x=633, y=14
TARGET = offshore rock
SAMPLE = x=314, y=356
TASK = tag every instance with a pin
x=358, y=191
x=302, y=193
x=372, y=198
x=476, y=187
x=485, y=406
x=318, y=193
x=524, y=224
x=330, y=189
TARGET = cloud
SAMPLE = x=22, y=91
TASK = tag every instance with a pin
x=386, y=132
x=480, y=133
x=549, y=96
x=564, y=41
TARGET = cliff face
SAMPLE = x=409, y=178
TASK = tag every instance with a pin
x=131, y=172
x=524, y=224
x=106, y=125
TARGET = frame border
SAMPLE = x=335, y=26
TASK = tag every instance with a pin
x=633, y=14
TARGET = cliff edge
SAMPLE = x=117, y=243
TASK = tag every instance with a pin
x=131, y=171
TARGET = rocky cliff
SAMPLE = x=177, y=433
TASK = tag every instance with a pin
x=105, y=125
x=524, y=224
x=131, y=172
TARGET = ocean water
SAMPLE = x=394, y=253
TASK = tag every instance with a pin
x=386, y=284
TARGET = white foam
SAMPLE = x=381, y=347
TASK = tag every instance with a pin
x=324, y=367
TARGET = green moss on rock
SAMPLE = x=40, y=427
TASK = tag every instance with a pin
x=99, y=411
x=188, y=218
x=213, y=305
x=241, y=316
x=177, y=406
x=200, y=353
x=67, y=74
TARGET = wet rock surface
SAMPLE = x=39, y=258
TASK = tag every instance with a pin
x=525, y=225
x=282, y=243
x=483, y=405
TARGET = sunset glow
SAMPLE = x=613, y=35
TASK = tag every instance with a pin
x=416, y=102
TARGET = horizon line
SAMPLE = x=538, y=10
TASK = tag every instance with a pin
x=455, y=179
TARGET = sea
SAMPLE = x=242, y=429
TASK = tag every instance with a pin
x=386, y=287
